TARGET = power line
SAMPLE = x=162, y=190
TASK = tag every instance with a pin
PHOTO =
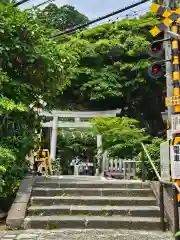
x=131, y=14
x=20, y=2
x=124, y=16
x=74, y=29
x=48, y=1
x=140, y=10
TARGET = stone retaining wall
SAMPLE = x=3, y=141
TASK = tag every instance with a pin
x=17, y=212
x=168, y=201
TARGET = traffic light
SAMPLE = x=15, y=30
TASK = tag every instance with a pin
x=156, y=49
x=156, y=70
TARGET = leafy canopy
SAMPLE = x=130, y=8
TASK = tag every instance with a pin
x=61, y=18
x=122, y=137
x=111, y=71
x=71, y=144
x=154, y=152
x=31, y=66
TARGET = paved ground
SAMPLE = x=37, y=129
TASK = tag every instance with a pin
x=69, y=234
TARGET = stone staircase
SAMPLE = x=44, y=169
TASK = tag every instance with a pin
x=92, y=202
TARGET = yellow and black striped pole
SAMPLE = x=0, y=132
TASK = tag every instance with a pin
x=171, y=19
x=175, y=59
x=173, y=142
x=176, y=81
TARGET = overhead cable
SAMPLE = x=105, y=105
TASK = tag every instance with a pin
x=74, y=29
x=20, y=2
x=122, y=17
x=48, y=1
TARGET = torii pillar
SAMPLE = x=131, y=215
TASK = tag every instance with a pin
x=54, y=138
x=99, y=148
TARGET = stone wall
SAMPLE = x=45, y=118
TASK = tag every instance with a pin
x=168, y=202
x=17, y=212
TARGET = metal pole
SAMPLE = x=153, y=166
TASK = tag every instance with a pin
x=169, y=86
x=143, y=166
x=176, y=210
x=168, y=55
x=161, y=191
x=172, y=4
x=175, y=59
x=176, y=76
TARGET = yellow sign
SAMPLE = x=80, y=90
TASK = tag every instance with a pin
x=170, y=17
x=173, y=101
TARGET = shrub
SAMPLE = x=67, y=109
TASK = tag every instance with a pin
x=12, y=170
x=154, y=151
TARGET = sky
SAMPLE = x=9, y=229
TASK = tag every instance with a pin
x=96, y=8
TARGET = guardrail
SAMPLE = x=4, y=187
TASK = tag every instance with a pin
x=175, y=188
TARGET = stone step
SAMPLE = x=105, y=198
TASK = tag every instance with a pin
x=96, y=222
x=94, y=200
x=145, y=211
x=69, y=178
x=92, y=184
x=91, y=192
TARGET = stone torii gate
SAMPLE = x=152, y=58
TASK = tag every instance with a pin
x=80, y=120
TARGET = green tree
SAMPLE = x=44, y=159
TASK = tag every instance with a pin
x=71, y=144
x=5, y=1
x=61, y=18
x=111, y=71
x=154, y=151
x=122, y=137
x=31, y=66
x=31, y=60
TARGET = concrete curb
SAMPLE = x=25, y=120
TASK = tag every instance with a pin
x=17, y=212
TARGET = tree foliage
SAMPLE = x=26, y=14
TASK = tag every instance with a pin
x=30, y=59
x=100, y=68
x=111, y=71
x=61, y=18
x=71, y=144
x=122, y=137
x=31, y=66
x=154, y=152
x=12, y=169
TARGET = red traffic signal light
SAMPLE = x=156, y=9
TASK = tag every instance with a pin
x=156, y=49
x=156, y=70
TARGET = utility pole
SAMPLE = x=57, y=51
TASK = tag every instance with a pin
x=171, y=16
x=169, y=86
x=173, y=66
x=168, y=55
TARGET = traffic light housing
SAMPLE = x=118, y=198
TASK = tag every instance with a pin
x=156, y=70
x=156, y=49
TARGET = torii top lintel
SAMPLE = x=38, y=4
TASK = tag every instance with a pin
x=83, y=114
